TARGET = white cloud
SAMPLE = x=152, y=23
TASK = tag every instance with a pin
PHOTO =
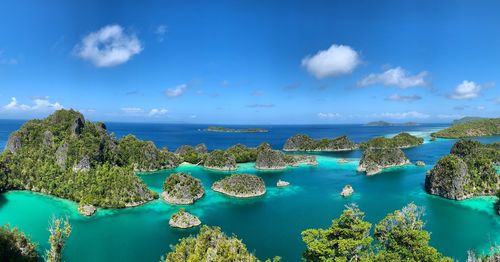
x=39, y=104
x=328, y=115
x=158, y=112
x=397, y=77
x=109, y=46
x=225, y=83
x=446, y=116
x=132, y=110
x=403, y=115
x=176, y=91
x=160, y=31
x=193, y=116
x=466, y=90
x=400, y=98
x=480, y=107
x=336, y=60
x=7, y=60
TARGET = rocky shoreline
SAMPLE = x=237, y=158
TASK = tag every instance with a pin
x=240, y=186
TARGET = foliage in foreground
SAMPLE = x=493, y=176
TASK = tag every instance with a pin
x=15, y=246
x=211, y=244
x=59, y=233
x=399, y=237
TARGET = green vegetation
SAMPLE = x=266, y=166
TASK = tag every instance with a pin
x=211, y=244
x=15, y=246
x=401, y=140
x=240, y=185
x=242, y=154
x=189, y=154
x=399, y=237
x=473, y=128
x=303, y=142
x=241, y=130
x=469, y=170
x=467, y=119
x=59, y=233
x=375, y=159
x=219, y=159
x=182, y=188
x=68, y=157
x=347, y=239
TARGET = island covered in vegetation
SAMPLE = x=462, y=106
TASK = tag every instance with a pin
x=182, y=189
x=468, y=171
x=471, y=128
x=401, y=140
x=66, y=156
x=303, y=142
x=384, y=123
x=239, y=130
x=240, y=185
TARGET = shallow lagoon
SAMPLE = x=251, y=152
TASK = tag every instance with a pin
x=270, y=225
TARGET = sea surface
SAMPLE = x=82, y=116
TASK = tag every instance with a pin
x=269, y=225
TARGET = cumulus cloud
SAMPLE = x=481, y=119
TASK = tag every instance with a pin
x=176, y=91
x=402, y=98
x=397, y=77
x=403, y=115
x=158, y=112
x=109, y=46
x=160, y=32
x=335, y=61
x=466, y=90
x=260, y=105
x=39, y=104
x=328, y=115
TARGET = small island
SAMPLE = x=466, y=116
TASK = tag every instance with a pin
x=303, y=142
x=347, y=191
x=220, y=160
x=183, y=219
x=401, y=140
x=238, y=130
x=270, y=160
x=241, y=186
x=471, y=128
x=384, y=123
x=182, y=189
x=468, y=171
x=374, y=160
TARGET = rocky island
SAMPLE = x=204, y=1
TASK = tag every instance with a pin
x=374, y=160
x=193, y=155
x=347, y=191
x=303, y=142
x=468, y=171
x=241, y=186
x=270, y=160
x=66, y=156
x=401, y=140
x=384, y=123
x=239, y=130
x=183, y=219
x=471, y=128
x=182, y=189
x=220, y=160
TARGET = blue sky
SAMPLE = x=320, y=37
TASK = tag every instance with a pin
x=251, y=61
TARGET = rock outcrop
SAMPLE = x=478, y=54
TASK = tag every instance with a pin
x=374, y=160
x=466, y=172
x=220, y=160
x=296, y=160
x=182, y=189
x=401, y=140
x=241, y=186
x=347, y=191
x=201, y=149
x=183, y=219
x=420, y=163
x=270, y=160
x=282, y=183
x=87, y=210
x=303, y=142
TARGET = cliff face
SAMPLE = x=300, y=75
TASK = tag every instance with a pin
x=376, y=159
x=466, y=172
x=64, y=155
x=270, y=160
x=305, y=143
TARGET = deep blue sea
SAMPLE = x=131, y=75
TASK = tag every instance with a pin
x=269, y=225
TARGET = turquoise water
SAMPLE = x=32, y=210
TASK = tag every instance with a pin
x=270, y=225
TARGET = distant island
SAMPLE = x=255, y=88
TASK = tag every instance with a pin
x=234, y=130
x=471, y=128
x=467, y=119
x=384, y=123
x=303, y=142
